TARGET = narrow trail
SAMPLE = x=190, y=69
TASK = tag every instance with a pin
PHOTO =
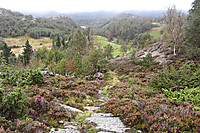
x=105, y=122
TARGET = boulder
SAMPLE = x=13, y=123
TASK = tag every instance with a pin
x=71, y=109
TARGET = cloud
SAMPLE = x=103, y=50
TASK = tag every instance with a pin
x=92, y=5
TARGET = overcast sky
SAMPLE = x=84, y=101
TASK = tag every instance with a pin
x=65, y=6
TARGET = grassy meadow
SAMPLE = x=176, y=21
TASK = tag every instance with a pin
x=20, y=41
x=100, y=41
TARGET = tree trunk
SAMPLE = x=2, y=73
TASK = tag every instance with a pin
x=174, y=49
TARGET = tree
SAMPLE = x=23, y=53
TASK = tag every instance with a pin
x=108, y=51
x=58, y=42
x=6, y=52
x=174, y=26
x=193, y=27
x=27, y=53
x=78, y=43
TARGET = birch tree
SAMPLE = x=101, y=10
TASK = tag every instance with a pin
x=174, y=26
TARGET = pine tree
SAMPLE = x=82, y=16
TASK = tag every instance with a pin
x=79, y=43
x=58, y=43
x=27, y=53
x=193, y=28
x=6, y=52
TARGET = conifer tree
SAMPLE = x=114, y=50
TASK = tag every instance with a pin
x=6, y=52
x=27, y=53
x=79, y=43
x=193, y=28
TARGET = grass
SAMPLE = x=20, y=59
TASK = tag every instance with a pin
x=20, y=41
x=100, y=41
x=155, y=32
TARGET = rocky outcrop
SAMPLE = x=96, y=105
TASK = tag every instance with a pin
x=161, y=53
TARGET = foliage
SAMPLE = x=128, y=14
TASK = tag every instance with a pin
x=6, y=52
x=155, y=115
x=133, y=56
x=143, y=40
x=82, y=117
x=193, y=26
x=190, y=95
x=174, y=27
x=108, y=51
x=147, y=60
x=15, y=104
x=31, y=126
x=22, y=77
x=187, y=76
x=78, y=43
x=27, y=53
x=124, y=27
x=17, y=24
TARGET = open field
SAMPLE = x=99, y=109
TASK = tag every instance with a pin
x=20, y=41
x=100, y=41
x=155, y=32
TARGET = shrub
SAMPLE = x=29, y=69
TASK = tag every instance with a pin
x=15, y=104
x=146, y=60
x=22, y=77
x=187, y=95
x=187, y=76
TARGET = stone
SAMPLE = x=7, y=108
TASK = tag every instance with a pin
x=67, y=129
x=71, y=109
x=70, y=127
x=160, y=60
x=44, y=72
x=107, y=122
x=91, y=108
x=61, y=122
x=155, y=53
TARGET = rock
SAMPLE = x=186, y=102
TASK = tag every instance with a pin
x=144, y=55
x=155, y=46
x=91, y=108
x=44, y=72
x=51, y=74
x=56, y=75
x=170, y=57
x=67, y=129
x=71, y=109
x=107, y=122
x=155, y=53
x=99, y=75
x=70, y=127
x=167, y=62
x=139, y=53
x=160, y=60
x=61, y=122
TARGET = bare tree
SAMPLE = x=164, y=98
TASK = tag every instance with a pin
x=174, y=26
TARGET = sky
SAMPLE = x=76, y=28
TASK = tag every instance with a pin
x=68, y=6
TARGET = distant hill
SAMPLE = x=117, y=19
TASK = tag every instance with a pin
x=123, y=26
x=17, y=24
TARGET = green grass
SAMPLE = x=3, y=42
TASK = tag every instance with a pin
x=155, y=32
x=100, y=41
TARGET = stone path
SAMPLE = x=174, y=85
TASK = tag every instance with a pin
x=107, y=122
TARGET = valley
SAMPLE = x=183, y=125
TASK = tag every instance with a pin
x=115, y=73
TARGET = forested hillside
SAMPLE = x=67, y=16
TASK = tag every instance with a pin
x=16, y=24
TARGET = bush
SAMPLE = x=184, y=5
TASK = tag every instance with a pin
x=15, y=104
x=146, y=60
x=187, y=76
x=187, y=95
x=22, y=77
